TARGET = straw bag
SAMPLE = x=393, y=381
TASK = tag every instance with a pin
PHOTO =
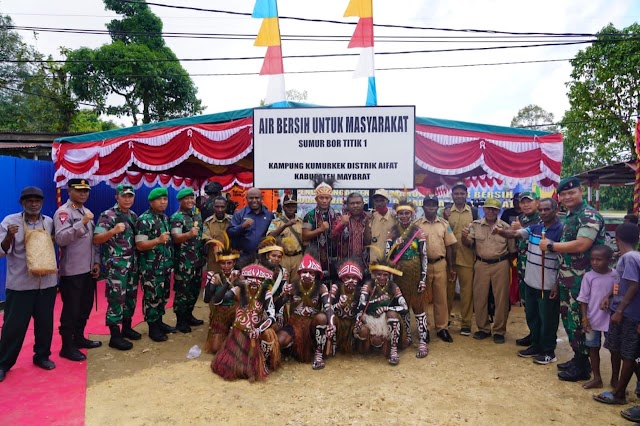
x=41, y=255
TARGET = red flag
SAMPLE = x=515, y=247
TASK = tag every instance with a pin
x=272, y=61
x=363, y=35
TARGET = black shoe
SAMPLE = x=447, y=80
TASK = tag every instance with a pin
x=498, y=338
x=530, y=352
x=546, y=358
x=72, y=354
x=129, y=332
x=566, y=365
x=525, y=341
x=166, y=328
x=465, y=331
x=193, y=321
x=155, y=332
x=481, y=335
x=3, y=374
x=44, y=363
x=578, y=371
x=117, y=341
x=445, y=336
x=183, y=324
x=81, y=342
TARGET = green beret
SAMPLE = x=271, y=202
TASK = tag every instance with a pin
x=568, y=183
x=528, y=194
x=157, y=193
x=493, y=203
x=184, y=192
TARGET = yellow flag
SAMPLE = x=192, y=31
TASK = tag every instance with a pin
x=269, y=34
x=360, y=8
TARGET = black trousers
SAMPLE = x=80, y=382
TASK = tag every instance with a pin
x=19, y=308
x=77, y=293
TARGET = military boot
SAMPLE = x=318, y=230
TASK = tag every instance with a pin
x=566, y=365
x=155, y=332
x=128, y=331
x=183, y=323
x=117, y=341
x=580, y=370
x=193, y=321
x=166, y=328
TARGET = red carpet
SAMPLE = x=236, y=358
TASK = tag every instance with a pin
x=32, y=396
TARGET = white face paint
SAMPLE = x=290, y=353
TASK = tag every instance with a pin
x=350, y=281
x=253, y=283
x=307, y=276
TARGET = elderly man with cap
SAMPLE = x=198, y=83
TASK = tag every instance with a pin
x=28, y=296
x=215, y=228
x=440, y=242
x=79, y=268
x=382, y=220
x=186, y=231
x=583, y=229
x=288, y=229
x=493, y=252
x=529, y=216
x=153, y=241
x=213, y=190
x=460, y=217
x=249, y=225
x=115, y=230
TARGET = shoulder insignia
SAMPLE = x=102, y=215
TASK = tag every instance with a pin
x=63, y=217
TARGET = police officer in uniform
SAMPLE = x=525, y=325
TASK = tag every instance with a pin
x=79, y=268
x=115, y=230
x=493, y=254
x=440, y=241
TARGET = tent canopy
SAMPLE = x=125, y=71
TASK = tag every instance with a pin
x=190, y=151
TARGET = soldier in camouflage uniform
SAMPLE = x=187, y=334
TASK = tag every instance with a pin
x=186, y=233
x=115, y=230
x=156, y=262
x=583, y=228
x=529, y=216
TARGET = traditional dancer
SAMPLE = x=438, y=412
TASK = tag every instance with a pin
x=406, y=249
x=270, y=255
x=251, y=349
x=381, y=304
x=221, y=315
x=307, y=321
x=345, y=296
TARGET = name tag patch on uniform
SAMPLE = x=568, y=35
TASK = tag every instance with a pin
x=63, y=217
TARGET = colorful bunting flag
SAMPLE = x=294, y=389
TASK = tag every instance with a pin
x=269, y=36
x=363, y=38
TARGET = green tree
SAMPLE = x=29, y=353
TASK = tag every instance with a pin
x=87, y=121
x=534, y=117
x=138, y=66
x=604, y=94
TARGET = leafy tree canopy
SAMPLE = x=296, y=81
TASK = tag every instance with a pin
x=534, y=117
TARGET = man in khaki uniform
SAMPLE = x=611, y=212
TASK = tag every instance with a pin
x=440, y=241
x=214, y=228
x=492, y=270
x=288, y=229
x=382, y=220
x=461, y=216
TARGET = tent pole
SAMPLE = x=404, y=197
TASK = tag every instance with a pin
x=598, y=194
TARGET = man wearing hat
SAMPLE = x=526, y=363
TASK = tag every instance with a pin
x=460, y=217
x=583, y=228
x=288, y=229
x=440, y=242
x=215, y=228
x=28, y=296
x=186, y=231
x=382, y=220
x=153, y=241
x=115, y=230
x=529, y=216
x=493, y=254
x=213, y=190
x=79, y=268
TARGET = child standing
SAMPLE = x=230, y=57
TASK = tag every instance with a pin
x=596, y=286
x=622, y=339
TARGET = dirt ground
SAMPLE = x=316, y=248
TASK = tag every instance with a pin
x=466, y=382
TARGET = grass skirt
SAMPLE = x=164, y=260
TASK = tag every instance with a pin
x=303, y=341
x=344, y=335
x=221, y=320
x=240, y=358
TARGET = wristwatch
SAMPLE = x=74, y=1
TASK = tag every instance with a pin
x=550, y=247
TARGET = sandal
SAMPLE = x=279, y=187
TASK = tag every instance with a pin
x=394, y=359
x=423, y=350
x=608, y=398
x=632, y=414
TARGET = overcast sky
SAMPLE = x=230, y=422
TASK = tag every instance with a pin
x=484, y=94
